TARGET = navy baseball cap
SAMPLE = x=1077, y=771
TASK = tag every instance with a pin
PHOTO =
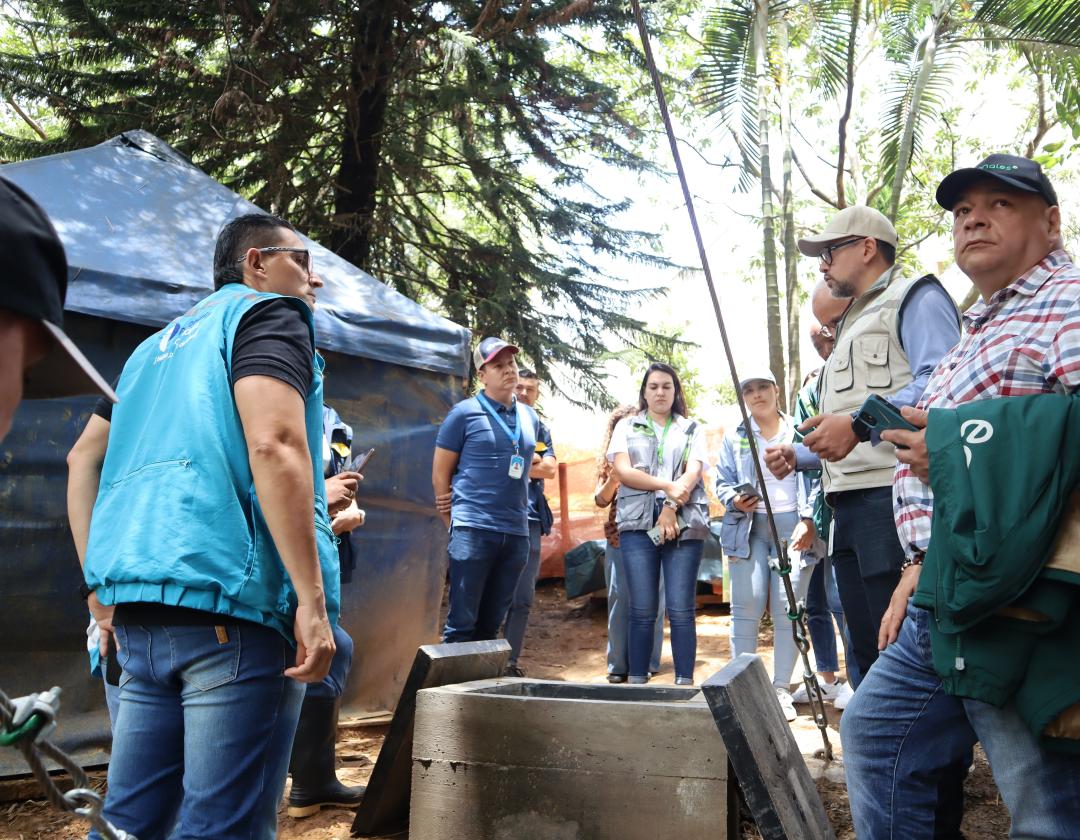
x=488, y=349
x=34, y=270
x=1020, y=173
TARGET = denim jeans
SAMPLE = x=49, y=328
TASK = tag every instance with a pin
x=204, y=732
x=517, y=619
x=866, y=556
x=907, y=745
x=643, y=562
x=333, y=686
x=618, y=617
x=484, y=570
x=753, y=583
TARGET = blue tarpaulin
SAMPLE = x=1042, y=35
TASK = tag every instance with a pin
x=139, y=223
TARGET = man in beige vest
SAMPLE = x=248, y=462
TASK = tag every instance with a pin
x=892, y=337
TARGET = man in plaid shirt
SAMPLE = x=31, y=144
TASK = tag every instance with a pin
x=906, y=742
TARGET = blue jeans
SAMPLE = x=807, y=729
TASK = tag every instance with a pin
x=907, y=744
x=333, y=686
x=618, y=617
x=753, y=583
x=822, y=609
x=517, y=619
x=866, y=556
x=484, y=570
x=204, y=732
x=643, y=562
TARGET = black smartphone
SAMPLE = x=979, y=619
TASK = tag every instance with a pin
x=357, y=464
x=748, y=489
x=878, y=413
x=112, y=666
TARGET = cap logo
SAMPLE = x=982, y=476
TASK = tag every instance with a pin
x=1004, y=167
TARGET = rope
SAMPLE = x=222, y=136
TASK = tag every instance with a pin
x=798, y=627
x=81, y=800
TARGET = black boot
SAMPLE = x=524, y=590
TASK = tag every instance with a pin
x=314, y=782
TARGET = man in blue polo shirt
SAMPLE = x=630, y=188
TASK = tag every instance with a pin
x=482, y=455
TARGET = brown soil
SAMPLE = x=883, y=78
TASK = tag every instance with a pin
x=565, y=641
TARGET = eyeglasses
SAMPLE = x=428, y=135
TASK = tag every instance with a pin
x=306, y=263
x=826, y=256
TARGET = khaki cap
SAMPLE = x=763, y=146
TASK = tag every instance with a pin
x=858, y=220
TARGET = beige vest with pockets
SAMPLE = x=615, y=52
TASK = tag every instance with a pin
x=867, y=359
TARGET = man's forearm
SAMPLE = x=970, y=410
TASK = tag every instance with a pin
x=547, y=469
x=282, y=473
x=82, y=490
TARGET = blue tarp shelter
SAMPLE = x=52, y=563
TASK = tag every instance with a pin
x=139, y=223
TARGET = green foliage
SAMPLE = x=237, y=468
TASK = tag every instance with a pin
x=445, y=148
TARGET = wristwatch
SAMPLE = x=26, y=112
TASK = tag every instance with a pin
x=859, y=427
x=668, y=503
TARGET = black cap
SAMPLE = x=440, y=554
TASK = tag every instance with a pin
x=34, y=268
x=1020, y=173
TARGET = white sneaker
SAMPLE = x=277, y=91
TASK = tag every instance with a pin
x=842, y=697
x=828, y=691
x=786, y=705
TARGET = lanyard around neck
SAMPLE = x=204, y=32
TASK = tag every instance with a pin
x=660, y=438
x=514, y=436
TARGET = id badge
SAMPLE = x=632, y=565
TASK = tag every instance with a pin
x=517, y=466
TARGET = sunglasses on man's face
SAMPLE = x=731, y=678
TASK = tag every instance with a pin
x=304, y=260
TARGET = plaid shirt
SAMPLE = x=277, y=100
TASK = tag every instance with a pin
x=1024, y=340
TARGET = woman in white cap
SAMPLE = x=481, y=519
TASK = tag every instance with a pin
x=746, y=537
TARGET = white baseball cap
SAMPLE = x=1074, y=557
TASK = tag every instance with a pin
x=858, y=220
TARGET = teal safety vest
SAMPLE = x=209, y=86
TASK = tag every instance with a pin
x=176, y=520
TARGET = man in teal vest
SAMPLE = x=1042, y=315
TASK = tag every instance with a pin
x=210, y=552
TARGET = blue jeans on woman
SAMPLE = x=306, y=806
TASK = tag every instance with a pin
x=204, y=731
x=643, y=561
x=618, y=617
x=908, y=744
x=753, y=583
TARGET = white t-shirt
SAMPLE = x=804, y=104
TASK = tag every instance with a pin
x=783, y=492
x=674, y=445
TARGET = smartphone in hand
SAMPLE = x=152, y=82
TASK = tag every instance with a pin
x=879, y=414
x=748, y=490
x=360, y=461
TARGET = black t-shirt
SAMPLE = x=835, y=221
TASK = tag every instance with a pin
x=272, y=339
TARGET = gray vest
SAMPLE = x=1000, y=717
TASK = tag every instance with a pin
x=634, y=509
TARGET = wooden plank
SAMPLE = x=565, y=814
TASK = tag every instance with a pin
x=779, y=792
x=385, y=808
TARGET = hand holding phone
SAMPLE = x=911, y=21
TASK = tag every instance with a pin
x=748, y=490
x=878, y=414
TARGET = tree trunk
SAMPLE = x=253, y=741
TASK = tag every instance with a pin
x=356, y=185
x=772, y=292
x=907, y=139
x=791, y=257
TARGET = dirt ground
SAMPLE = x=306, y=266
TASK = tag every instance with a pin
x=565, y=641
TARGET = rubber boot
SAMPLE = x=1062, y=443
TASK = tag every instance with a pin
x=314, y=782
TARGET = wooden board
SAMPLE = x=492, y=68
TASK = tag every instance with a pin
x=385, y=809
x=775, y=782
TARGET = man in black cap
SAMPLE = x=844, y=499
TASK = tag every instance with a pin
x=935, y=690
x=37, y=360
